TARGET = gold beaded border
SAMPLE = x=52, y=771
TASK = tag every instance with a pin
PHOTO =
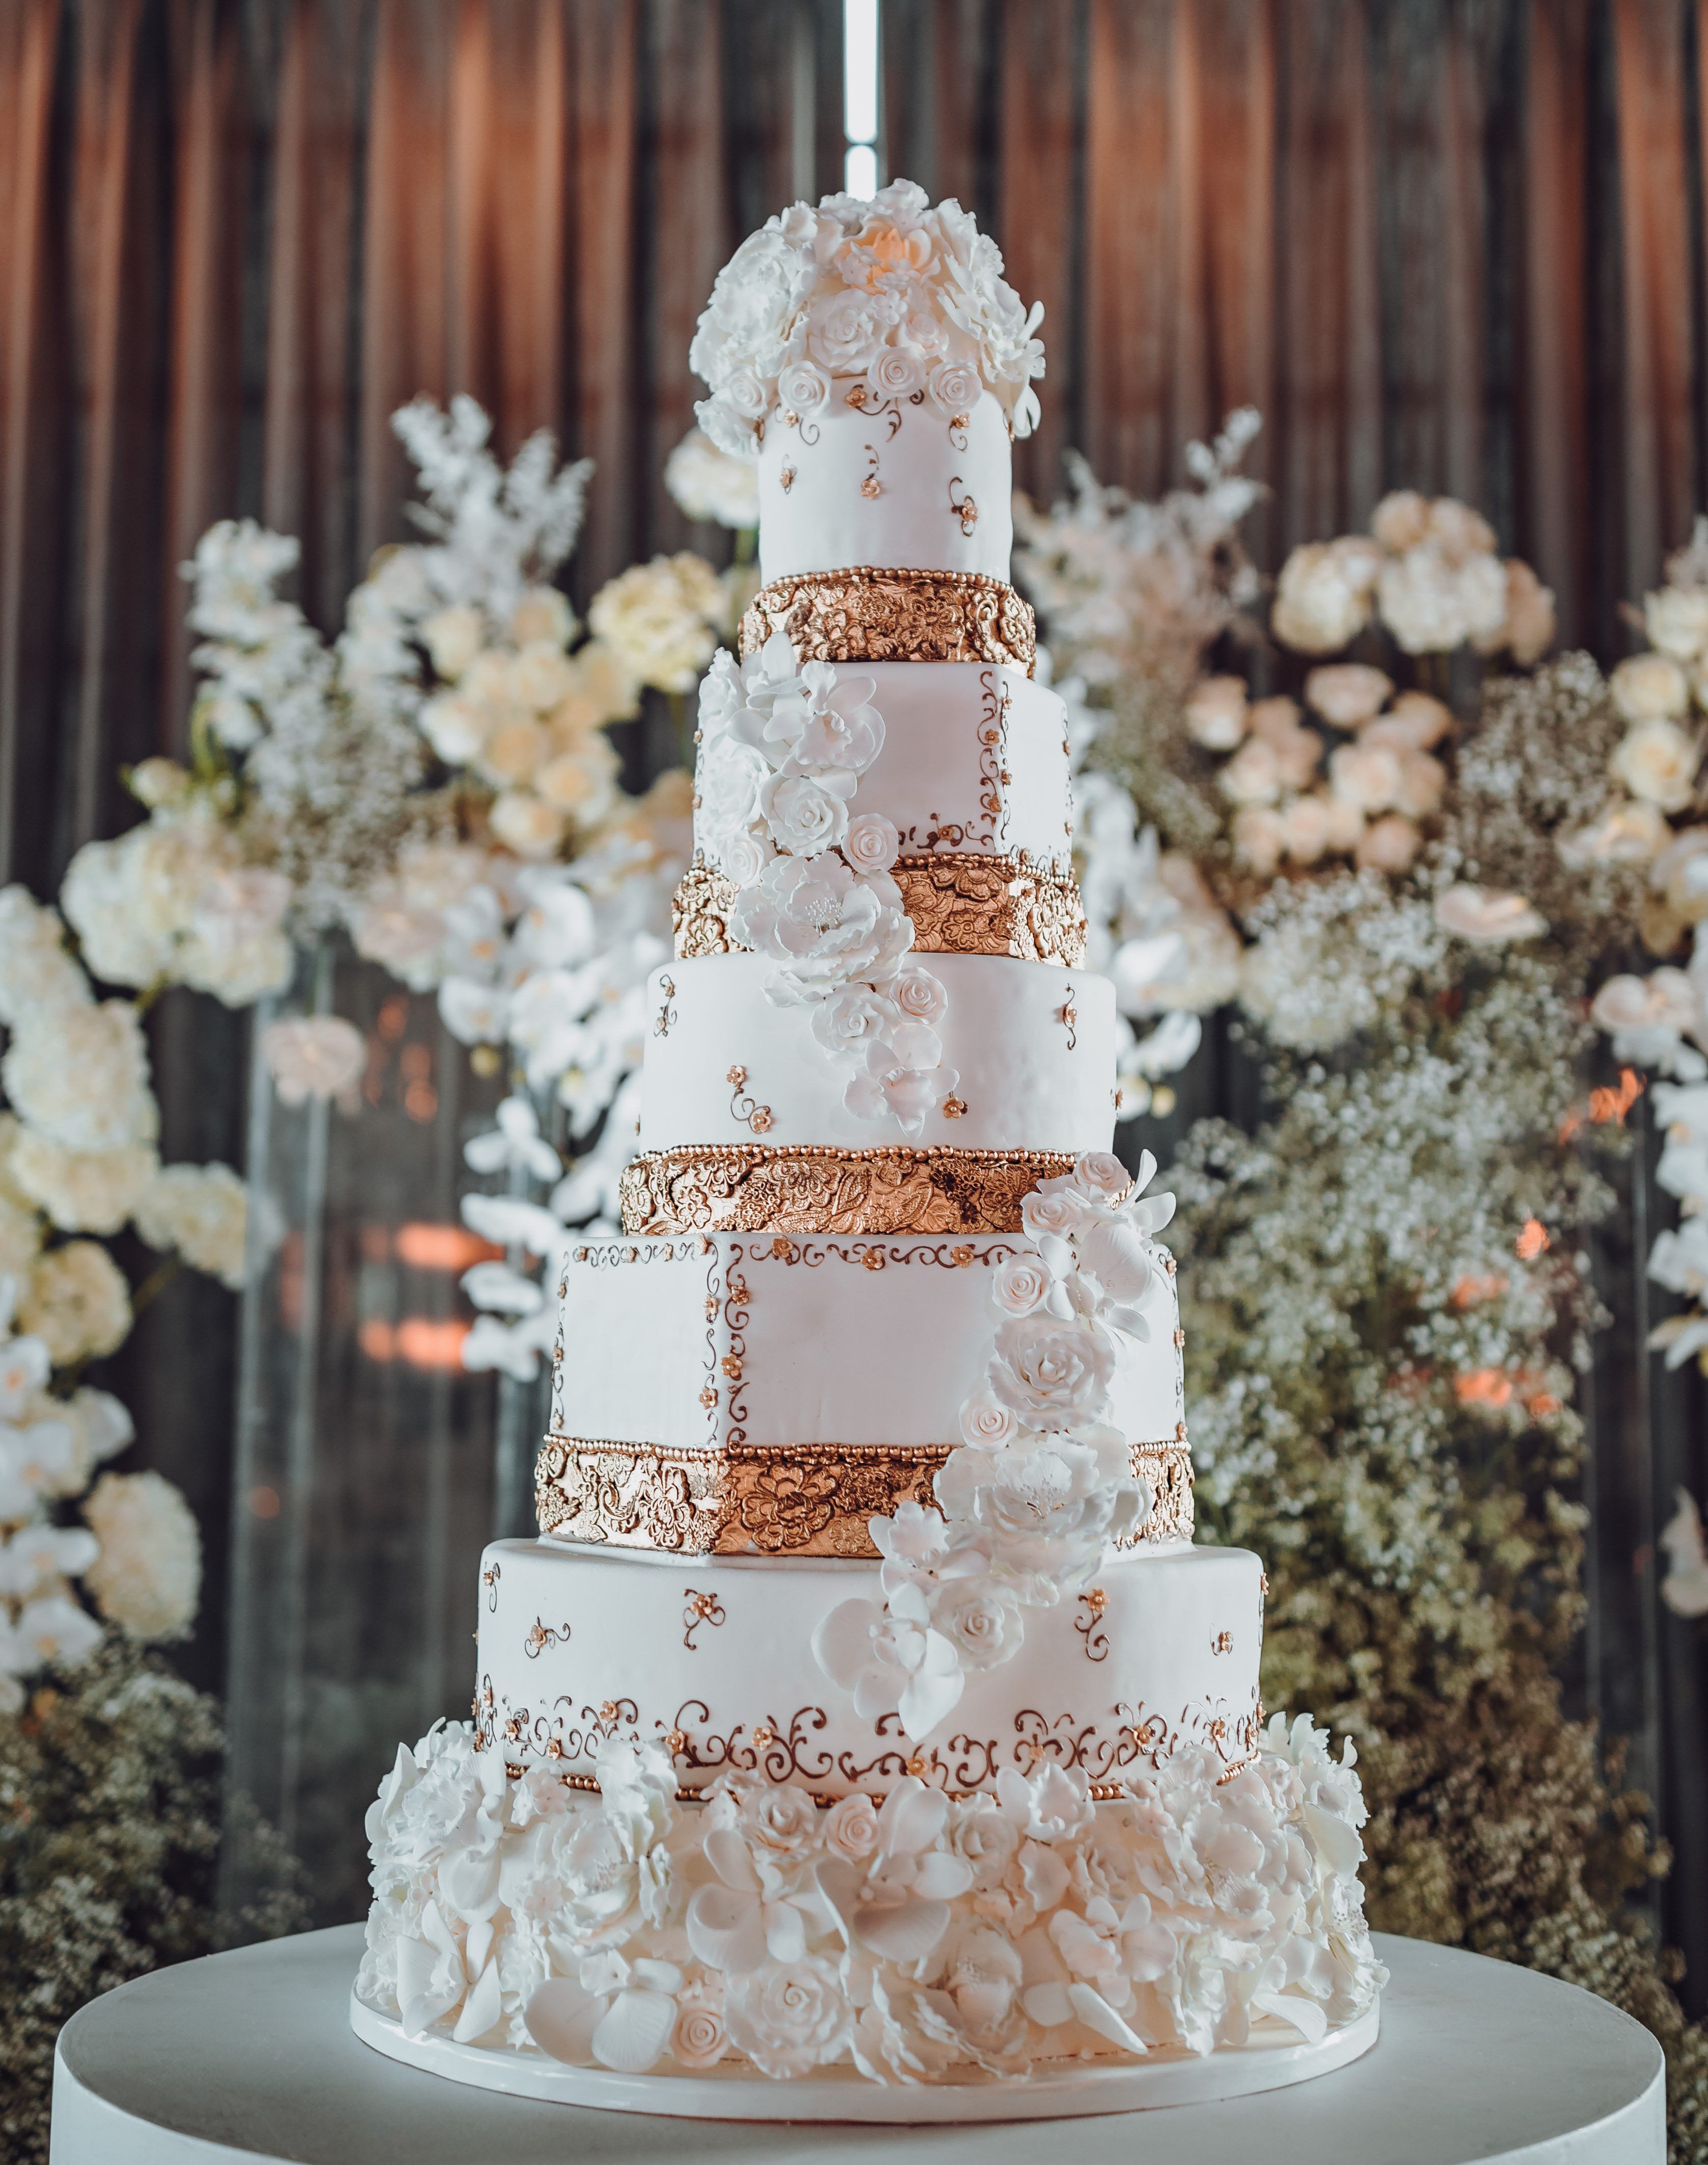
x=872, y=613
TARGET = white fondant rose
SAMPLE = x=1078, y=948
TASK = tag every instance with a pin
x=1052, y=1374
x=727, y=781
x=848, y=1021
x=872, y=843
x=851, y=1828
x=986, y=1422
x=918, y=995
x=827, y=926
x=746, y=394
x=847, y=333
x=1053, y=1209
x=981, y=1622
x=896, y=373
x=1101, y=1176
x=699, y=2039
x=789, y=2017
x=742, y=857
x=1017, y=1286
x=955, y=386
x=780, y=1823
x=807, y=813
x=804, y=388
x=985, y=1839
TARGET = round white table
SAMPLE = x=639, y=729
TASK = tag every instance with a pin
x=249, y=2056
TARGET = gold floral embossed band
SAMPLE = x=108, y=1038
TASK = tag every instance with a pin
x=870, y=614
x=810, y=1187
x=961, y=904
x=796, y=1500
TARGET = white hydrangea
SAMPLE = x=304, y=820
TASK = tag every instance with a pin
x=77, y=1302
x=708, y=483
x=36, y=973
x=79, y=1074
x=203, y=1212
x=81, y=1191
x=148, y=1576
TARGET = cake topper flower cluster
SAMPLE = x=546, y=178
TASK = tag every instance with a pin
x=909, y=297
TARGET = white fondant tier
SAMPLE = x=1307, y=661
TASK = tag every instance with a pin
x=1033, y=1043
x=903, y=484
x=975, y=757
x=715, y=1656
x=711, y=1342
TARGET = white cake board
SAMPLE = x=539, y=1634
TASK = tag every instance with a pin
x=1071, y=2091
x=249, y=2059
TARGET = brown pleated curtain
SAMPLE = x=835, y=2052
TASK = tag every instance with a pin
x=1452, y=244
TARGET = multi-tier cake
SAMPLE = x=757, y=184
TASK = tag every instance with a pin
x=865, y=1716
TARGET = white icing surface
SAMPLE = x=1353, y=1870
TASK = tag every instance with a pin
x=827, y=1349
x=952, y=731
x=822, y=521
x=626, y=1630
x=1030, y=1077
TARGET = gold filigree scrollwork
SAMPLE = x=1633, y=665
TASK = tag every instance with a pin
x=961, y=903
x=743, y=1187
x=743, y=1106
x=541, y=1636
x=966, y=510
x=796, y=1500
x=958, y=423
x=702, y=1608
x=489, y=1578
x=1090, y=1626
x=667, y=1014
x=871, y=487
x=1068, y=1015
x=869, y=612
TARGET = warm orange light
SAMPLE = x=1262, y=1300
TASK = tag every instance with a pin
x=1532, y=1240
x=376, y=1337
x=1605, y=1105
x=394, y=1017
x=1483, y=1386
x=1470, y=1290
x=264, y=1502
x=429, y=1247
x=425, y=1344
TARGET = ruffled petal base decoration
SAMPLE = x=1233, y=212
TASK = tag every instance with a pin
x=800, y=1500
x=734, y=1188
x=961, y=903
x=915, y=1956
x=871, y=614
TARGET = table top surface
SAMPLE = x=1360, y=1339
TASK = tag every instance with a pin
x=253, y=2050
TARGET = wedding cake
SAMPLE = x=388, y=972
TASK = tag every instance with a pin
x=864, y=1736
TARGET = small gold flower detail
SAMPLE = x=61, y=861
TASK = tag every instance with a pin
x=764, y=1735
x=736, y=1076
x=786, y=480
x=676, y=1741
x=963, y=1257
x=607, y=1711
x=873, y=1259
x=731, y=1367
x=708, y=1397
x=954, y=1109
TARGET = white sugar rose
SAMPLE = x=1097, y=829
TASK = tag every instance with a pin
x=1348, y=693
x=742, y=857
x=1102, y=1176
x=986, y=1422
x=896, y=373
x=983, y=1624
x=203, y=1211
x=984, y=1838
x=728, y=779
x=851, y=1020
x=954, y=386
x=805, y=813
x=872, y=843
x=780, y=1823
x=789, y=2017
x=699, y=2039
x=1017, y=1286
x=1657, y=761
x=1649, y=687
x=804, y=388
x=919, y=997
x=1216, y=713
x=1055, y=1208
x=851, y=1828
x=847, y=333
x=745, y=393
x=1486, y=917
x=1052, y=1374
x=1676, y=620
x=79, y=1074
x=148, y=1576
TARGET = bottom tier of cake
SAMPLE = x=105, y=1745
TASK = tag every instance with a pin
x=712, y=1657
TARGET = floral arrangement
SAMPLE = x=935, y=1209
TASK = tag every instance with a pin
x=1039, y=1487
x=1409, y=905
x=919, y=1939
x=783, y=747
x=909, y=297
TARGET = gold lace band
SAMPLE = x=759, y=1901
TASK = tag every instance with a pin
x=809, y=1187
x=871, y=614
x=796, y=1500
x=961, y=903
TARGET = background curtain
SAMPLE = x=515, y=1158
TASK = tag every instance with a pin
x=1450, y=245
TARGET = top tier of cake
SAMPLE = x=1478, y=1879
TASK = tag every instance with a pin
x=872, y=360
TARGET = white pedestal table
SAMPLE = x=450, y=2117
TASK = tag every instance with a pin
x=249, y=2059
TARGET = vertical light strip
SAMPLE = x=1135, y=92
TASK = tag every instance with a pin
x=860, y=97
